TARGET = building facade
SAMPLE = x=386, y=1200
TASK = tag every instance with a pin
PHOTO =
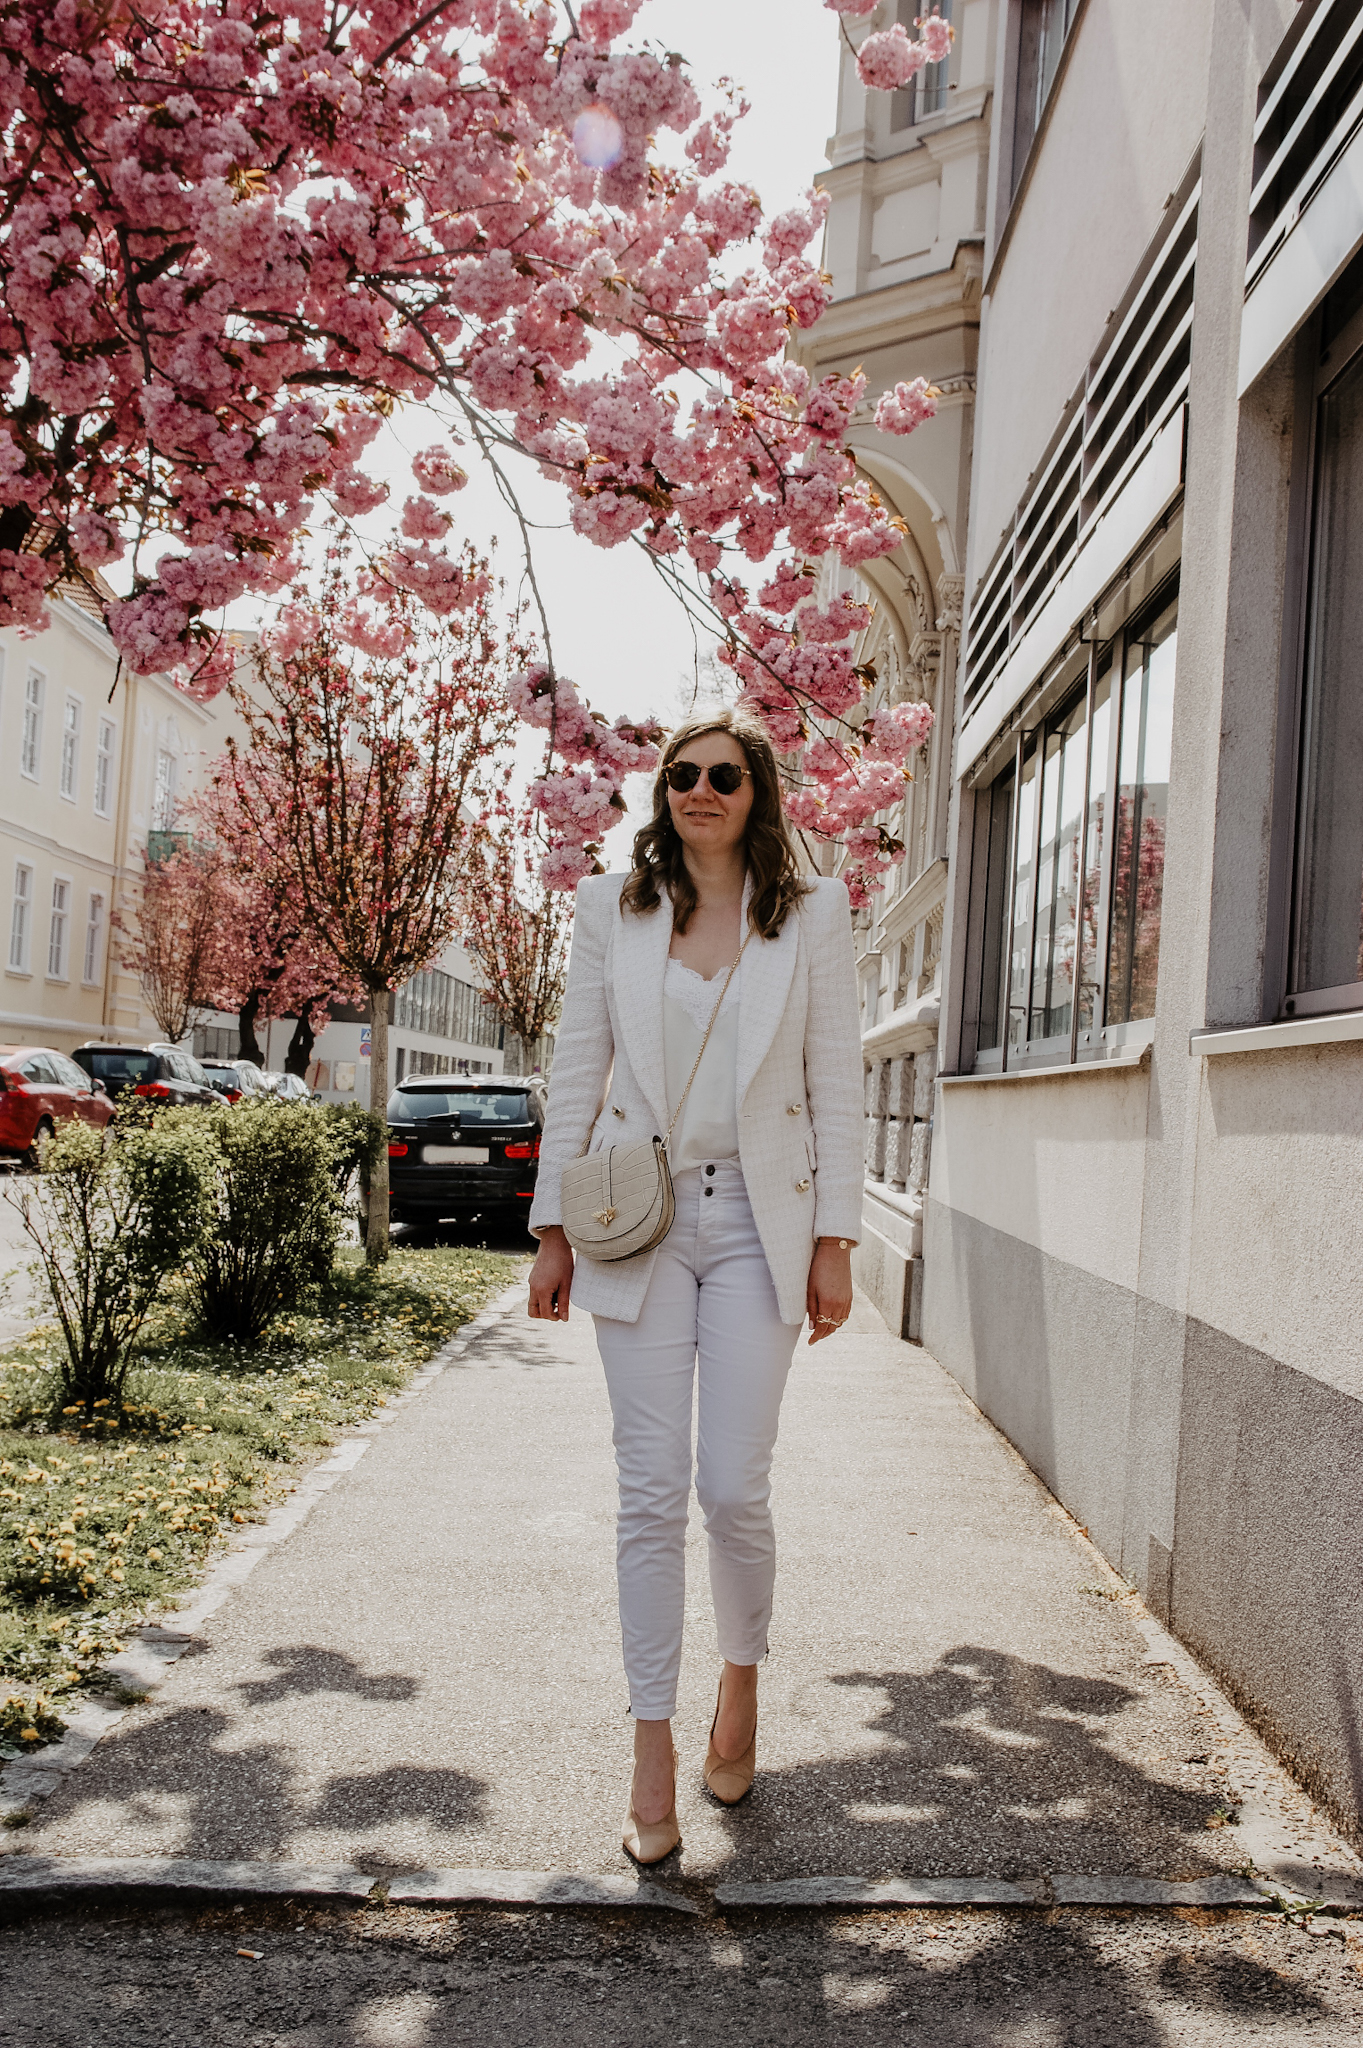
x=93, y=761
x=1143, y=1208
x=904, y=244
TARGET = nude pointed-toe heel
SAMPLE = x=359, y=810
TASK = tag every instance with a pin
x=648, y=1841
x=729, y=1779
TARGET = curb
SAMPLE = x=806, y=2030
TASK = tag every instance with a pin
x=1094, y=1891
x=27, y=1881
x=31, y=1882
x=142, y=1668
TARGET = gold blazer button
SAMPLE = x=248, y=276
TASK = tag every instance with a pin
x=795, y=1109
x=802, y=1186
x=615, y=1111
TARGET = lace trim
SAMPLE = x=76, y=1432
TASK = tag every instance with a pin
x=697, y=995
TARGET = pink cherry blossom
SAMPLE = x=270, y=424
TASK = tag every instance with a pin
x=907, y=406
x=938, y=36
x=889, y=60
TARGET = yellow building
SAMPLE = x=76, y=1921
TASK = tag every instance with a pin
x=92, y=759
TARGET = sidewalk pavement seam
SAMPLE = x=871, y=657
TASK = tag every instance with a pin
x=143, y=1666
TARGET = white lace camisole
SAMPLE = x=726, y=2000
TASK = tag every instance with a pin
x=707, y=1129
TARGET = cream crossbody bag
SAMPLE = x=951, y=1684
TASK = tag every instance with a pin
x=618, y=1203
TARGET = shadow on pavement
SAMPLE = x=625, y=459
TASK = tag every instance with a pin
x=307, y=1668
x=986, y=1765
x=235, y=1797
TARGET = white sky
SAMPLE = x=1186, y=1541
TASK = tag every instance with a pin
x=617, y=632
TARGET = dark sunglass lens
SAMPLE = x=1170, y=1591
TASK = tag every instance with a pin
x=725, y=776
x=682, y=775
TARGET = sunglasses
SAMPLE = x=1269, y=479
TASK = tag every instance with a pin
x=725, y=776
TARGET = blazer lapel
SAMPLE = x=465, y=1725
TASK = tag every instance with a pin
x=638, y=964
x=765, y=978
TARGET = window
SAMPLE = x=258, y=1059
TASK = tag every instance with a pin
x=1041, y=39
x=445, y=1007
x=59, y=929
x=163, y=797
x=94, y=936
x=1141, y=809
x=1067, y=869
x=21, y=918
x=104, y=768
x=70, y=748
x=30, y=749
x=926, y=94
x=1327, y=951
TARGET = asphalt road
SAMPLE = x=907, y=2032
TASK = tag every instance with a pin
x=379, y=1978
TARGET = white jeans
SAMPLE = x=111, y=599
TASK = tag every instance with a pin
x=711, y=1303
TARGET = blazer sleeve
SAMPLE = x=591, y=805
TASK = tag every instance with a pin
x=584, y=1051
x=833, y=1064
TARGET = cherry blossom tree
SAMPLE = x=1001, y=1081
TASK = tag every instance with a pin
x=516, y=929
x=271, y=960
x=233, y=239
x=174, y=940
x=375, y=738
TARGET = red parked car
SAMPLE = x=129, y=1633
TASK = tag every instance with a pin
x=38, y=1088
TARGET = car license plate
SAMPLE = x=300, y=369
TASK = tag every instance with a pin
x=454, y=1155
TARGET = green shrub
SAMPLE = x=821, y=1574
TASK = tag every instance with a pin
x=111, y=1222
x=277, y=1216
x=358, y=1137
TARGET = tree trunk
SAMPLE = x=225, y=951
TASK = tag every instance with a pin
x=298, y=1058
x=248, y=1047
x=376, y=1238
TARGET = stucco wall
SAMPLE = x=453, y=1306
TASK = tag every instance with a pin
x=1055, y=1164
x=1277, y=1243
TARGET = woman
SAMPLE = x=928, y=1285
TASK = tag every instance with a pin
x=766, y=1161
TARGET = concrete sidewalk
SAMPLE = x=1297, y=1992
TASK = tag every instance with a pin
x=426, y=1671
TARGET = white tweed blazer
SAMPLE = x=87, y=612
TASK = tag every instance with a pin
x=799, y=1079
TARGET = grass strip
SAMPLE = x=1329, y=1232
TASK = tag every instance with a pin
x=101, y=1524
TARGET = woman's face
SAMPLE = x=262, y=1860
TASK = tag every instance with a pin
x=706, y=821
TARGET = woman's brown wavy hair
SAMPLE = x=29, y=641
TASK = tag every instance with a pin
x=777, y=884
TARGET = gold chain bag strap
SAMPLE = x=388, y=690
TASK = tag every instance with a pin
x=618, y=1203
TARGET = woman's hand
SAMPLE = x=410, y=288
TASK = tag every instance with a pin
x=828, y=1296
x=551, y=1276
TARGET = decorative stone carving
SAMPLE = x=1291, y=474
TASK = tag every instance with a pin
x=877, y=1088
x=875, y=1147
x=899, y=1153
x=950, y=603
x=920, y=1158
x=899, y=1102
x=924, y=1075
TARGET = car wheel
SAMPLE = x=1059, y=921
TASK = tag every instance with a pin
x=42, y=1138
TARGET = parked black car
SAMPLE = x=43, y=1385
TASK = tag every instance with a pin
x=160, y=1072
x=456, y=1147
